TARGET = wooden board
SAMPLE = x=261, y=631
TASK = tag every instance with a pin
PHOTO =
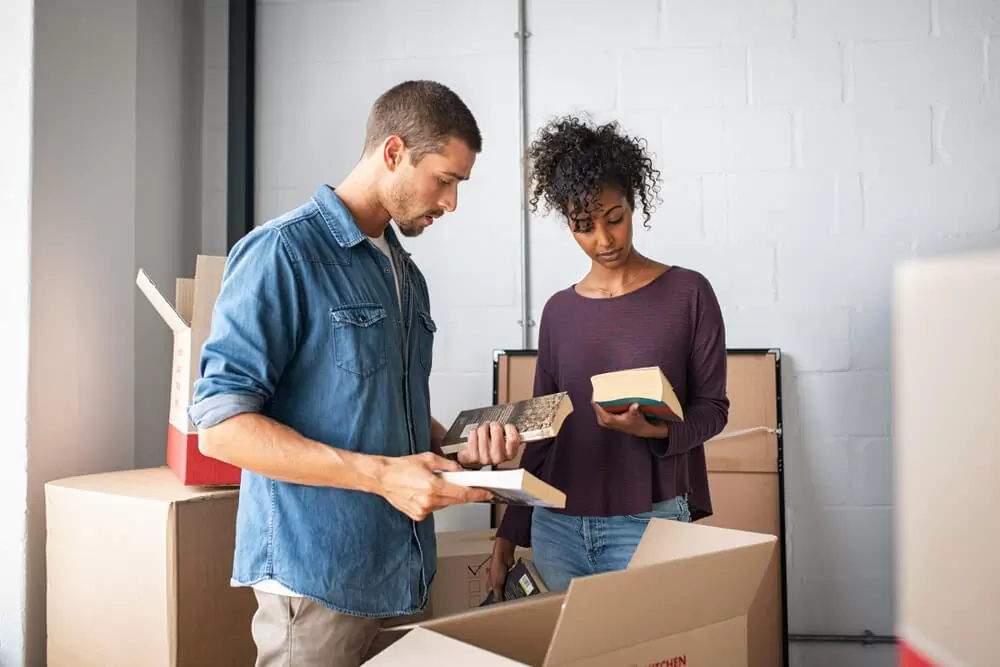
x=744, y=475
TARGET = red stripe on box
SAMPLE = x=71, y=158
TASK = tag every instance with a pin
x=908, y=657
x=194, y=468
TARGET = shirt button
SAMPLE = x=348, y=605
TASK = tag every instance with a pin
x=387, y=270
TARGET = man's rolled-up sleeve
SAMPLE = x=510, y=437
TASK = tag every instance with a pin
x=254, y=333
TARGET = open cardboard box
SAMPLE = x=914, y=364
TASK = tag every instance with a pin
x=682, y=600
x=190, y=318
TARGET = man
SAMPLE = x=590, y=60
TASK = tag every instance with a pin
x=315, y=382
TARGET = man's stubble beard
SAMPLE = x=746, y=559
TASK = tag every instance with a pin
x=409, y=229
x=398, y=198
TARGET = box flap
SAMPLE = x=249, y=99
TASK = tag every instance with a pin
x=425, y=647
x=674, y=540
x=184, y=303
x=207, y=283
x=519, y=629
x=158, y=484
x=160, y=303
x=682, y=576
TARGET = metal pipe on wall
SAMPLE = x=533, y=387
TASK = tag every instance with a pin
x=867, y=638
x=522, y=95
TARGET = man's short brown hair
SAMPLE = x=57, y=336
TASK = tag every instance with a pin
x=424, y=114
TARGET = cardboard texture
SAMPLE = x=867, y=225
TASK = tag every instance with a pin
x=190, y=319
x=946, y=366
x=138, y=569
x=683, y=600
x=461, y=583
x=743, y=475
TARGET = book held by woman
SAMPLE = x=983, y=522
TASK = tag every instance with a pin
x=649, y=387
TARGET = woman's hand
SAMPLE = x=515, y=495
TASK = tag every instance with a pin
x=500, y=564
x=632, y=422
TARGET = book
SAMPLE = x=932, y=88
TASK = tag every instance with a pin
x=522, y=581
x=535, y=418
x=649, y=387
x=510, y=487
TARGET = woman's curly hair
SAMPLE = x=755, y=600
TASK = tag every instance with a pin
x=572, y=160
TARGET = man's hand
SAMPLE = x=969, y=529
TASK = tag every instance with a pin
x=410, y=485
x=632, y=422
x=500, y=564
x=490, y=444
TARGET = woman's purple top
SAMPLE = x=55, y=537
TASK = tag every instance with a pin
x=675, y=323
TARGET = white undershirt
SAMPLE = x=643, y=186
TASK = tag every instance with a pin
x=380, y=242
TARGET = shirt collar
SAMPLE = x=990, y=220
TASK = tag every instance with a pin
x=338, y=219
x=342, y=225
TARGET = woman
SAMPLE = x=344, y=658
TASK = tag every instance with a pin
x=629, y=311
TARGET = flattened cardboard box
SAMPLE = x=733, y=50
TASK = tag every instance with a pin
x=946, y=334
x=190, y=318
x=138, y=571
x=683, y=599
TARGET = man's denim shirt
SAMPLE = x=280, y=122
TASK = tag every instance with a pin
x=307, y=331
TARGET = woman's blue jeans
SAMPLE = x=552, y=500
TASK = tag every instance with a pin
x=564, y=547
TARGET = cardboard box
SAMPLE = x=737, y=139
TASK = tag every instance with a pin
x=946, y=366
x=745, y=480
x=138, y=569
x=682, y=600
x=190, y=319
x=461, y=582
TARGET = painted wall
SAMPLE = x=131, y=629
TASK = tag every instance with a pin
x=16, y=40
x=102, y=146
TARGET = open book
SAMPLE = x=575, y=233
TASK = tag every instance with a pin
x=510, y=487
x=649, y=387
x=536, y=419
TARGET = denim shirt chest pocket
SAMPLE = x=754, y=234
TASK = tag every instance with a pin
x=359, y=338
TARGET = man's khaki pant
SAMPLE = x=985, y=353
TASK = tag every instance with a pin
x=297, y=632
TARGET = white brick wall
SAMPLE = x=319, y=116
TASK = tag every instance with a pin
x=924, y=70
x=807, y=145
x=851, y=20
x=718, y=21
x=796, y=73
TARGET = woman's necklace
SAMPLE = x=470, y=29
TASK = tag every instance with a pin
x=621, y=290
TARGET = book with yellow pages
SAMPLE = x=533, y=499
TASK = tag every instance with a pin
x=649, y=387
x=510, y=487
x=535, y=418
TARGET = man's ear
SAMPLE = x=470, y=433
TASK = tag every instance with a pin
x=393, y=152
